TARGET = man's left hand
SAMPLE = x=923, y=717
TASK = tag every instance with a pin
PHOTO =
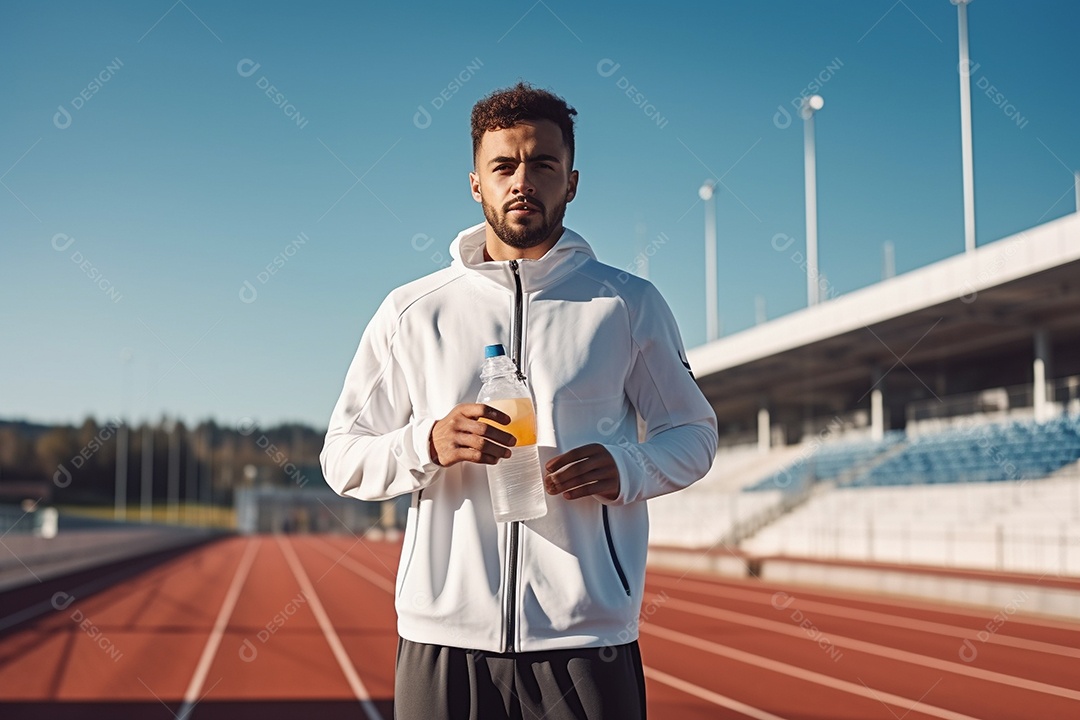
x=587, y=470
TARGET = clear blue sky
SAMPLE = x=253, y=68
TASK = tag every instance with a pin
x=138, y=138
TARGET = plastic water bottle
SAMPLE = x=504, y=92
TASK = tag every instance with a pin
x=517, y=488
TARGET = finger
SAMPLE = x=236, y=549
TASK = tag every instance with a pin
x=608, y=488
x=473, y=455
x=490, y=432
x=488, y=459
x=554, y=487
x=495, y=450
x=567, y=474
x=475, y=411
x=557, y=463
x=475, y=442
x=598, y=475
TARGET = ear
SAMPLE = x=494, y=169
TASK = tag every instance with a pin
x=474, y=185
x=571, y=186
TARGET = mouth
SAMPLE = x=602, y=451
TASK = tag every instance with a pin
x=523, y=212
x=523, y=209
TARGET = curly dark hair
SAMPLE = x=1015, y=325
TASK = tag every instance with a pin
x=505, y=108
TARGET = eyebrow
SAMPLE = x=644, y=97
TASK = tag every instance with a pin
x=534, y=158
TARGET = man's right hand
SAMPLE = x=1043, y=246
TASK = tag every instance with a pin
x=461, y=437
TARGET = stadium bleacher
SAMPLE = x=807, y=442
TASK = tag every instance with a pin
x=983, y=452
x=991, y=452
x=828, y=461
x=999, y=495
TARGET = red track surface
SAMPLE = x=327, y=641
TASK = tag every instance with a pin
x=275, y=627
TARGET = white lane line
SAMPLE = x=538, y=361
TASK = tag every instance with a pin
x=660, y=676
x=332, y=638
x=905, y=704
x=348, y=563
x=708, y=695
x=795, y=630
x=191, y=697
x=878, y=618
x=657, y=675
x=867, y=597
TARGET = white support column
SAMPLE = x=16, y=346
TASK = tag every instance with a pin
x=877, y=408
x=877, y=415
x=1042, y=356
x=763, y=430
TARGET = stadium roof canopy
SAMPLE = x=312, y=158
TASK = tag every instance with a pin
x=960, y=325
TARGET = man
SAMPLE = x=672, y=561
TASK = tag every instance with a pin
x=535, y=618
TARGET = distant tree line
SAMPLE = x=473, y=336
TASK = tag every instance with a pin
x=208, y=461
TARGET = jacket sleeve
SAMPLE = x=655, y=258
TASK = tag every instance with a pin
x=680, y=425
x=375, y=449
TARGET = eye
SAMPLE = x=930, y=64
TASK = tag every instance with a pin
x=545, y=166
x=503, y=167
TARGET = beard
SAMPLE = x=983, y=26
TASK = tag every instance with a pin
x=522, y=236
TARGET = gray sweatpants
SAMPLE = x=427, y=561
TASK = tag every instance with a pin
x=434, y=682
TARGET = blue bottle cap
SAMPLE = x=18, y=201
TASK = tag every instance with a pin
x=494, y=351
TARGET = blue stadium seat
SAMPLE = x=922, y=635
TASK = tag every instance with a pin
x=1015, y=450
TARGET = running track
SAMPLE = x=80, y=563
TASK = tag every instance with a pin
x=190, y=638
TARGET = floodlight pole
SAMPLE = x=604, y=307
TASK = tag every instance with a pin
x=811, y=105
x=712, y=322
x=147, y=492
x=174, y=473
x=120, y=493
x=964, y=69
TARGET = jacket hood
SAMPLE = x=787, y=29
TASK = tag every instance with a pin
x=569, y=253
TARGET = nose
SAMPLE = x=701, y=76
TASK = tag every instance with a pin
x=522, y=184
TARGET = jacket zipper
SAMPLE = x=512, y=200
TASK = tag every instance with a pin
x=510, y=598
x=611, y=549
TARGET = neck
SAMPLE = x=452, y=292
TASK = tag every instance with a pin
x=496, y=249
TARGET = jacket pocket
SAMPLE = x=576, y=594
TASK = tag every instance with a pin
x=611, y=551
x=408, y=545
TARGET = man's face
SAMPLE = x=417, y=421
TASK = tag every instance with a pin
x=523, y=180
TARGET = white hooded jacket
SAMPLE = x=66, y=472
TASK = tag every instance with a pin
x=598, y=347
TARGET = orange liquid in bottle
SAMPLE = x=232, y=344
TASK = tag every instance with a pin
x=522, y=419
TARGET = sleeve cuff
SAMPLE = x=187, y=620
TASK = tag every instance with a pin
x=619, y=455
x=421, y=436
